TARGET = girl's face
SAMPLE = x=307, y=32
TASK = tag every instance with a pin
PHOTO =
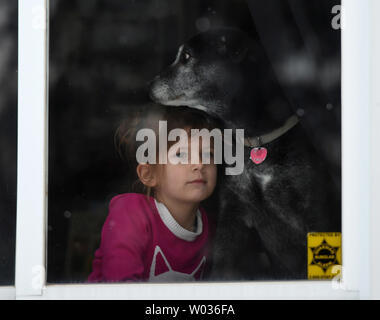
x=190, y=182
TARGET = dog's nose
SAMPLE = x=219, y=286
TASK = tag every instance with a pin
x=157, y=77
x=151, y=90
x=150, y=82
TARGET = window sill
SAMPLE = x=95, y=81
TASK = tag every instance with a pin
x=198, y=291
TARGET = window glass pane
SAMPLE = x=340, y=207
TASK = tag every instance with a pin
x=8, y=138
x=275, y=73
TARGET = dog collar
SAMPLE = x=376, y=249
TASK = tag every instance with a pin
x=258, y=141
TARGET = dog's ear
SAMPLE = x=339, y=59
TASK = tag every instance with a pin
x=222, y=45
x=231, y=49
x=239, y=55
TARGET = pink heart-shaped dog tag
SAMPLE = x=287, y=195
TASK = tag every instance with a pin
x=258, y=155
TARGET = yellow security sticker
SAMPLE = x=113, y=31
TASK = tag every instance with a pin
x=324, y=255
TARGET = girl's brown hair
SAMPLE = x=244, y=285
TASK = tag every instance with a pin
x=149, y=117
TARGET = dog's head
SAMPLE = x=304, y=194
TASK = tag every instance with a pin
x=207, y=72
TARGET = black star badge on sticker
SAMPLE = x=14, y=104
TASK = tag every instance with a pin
x=324, y=255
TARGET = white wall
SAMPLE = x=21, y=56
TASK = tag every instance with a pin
x=375, y=152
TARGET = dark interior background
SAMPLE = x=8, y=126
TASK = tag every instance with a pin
x=8, y=138
x=102, y=55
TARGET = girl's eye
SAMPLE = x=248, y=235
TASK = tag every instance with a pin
x=208, y=155
x=181, y=154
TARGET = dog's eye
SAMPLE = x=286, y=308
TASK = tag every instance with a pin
x=186, y=56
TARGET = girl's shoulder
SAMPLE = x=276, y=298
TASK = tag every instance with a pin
x=129, y=197
x=130, y=201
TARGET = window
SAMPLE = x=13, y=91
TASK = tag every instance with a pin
x=33, y=217
x=8, y=138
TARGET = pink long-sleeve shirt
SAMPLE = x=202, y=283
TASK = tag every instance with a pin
x=141, y=241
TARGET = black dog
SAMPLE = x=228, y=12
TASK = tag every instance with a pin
x=267, y=211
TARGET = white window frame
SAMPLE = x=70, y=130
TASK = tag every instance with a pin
x=360, y=202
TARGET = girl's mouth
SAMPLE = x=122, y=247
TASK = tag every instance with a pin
x=198, y=181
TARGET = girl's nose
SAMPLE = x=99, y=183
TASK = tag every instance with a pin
x=198, y=166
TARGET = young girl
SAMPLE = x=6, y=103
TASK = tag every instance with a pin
x=163, y=237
